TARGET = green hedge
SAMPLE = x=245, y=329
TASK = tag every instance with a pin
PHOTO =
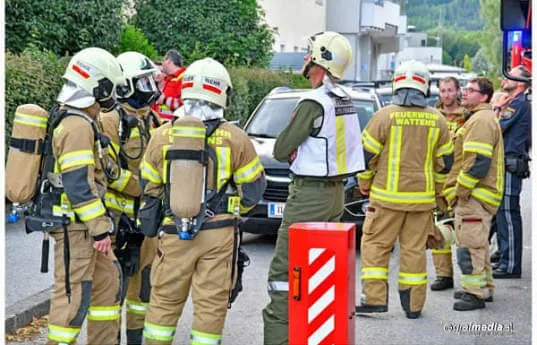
x=35, y=77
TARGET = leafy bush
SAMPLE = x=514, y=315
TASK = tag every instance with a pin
x=228, y=31
x=133, y=39
x=63, y=26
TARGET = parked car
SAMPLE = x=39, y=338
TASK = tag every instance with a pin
x=263, y=126
x=385, y=95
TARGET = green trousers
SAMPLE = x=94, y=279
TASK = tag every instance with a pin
x=309, y=201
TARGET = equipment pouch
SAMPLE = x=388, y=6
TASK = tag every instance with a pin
x=150, y=216
x=518, y=166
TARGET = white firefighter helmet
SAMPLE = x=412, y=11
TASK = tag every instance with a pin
x=447, y=231
x=412, y=75
x=92, y=75
x=207, y=80
x=332, y=51
x=141, y=89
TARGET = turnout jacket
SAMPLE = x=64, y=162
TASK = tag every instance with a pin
x=478, y=170
x=408, y=152
x=455, y=119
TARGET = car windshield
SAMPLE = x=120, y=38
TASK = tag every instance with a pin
x=274, y=114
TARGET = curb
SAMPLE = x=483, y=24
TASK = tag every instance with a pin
x=22, y=313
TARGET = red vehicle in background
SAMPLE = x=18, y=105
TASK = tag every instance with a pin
x=517, y=32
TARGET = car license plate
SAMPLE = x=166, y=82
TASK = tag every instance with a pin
x=275, y=209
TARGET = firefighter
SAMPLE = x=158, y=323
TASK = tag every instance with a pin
x=170, y=98
x=321, y=142
x=449, y=106
x=408, y=152
x=474, y=189
x=202, y=258
x=128, y=128
x=94, y=277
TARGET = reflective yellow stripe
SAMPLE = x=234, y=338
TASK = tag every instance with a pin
x=366, y=175
x=499, y=172
x=432, y=138
x=161, y=333
x=223, y=157
x=104, y=313
x=135, y=307
x=149, y=173
x=374, y=273
x=445, y=149
x=76, y=158
x=188, y=132
x=58, y=211
x=90, y=211
x=466, y=180
x=394, y=158
x=402, y=197
x=135, y=132
x=248, y=172
x=119, y=203
x=449, y=193
x=341, y=145
x=477, y=147
x=445, y=250
x=165, y=163
x=122, y=181
x=31, y=120
x=412, y=278
x=370, y=143
x=63, y=334
x=473, y=280
x=440, y=178
x=200, y=338
x=113, y=149
x=494, y=199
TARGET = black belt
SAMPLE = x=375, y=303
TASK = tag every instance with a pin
x=300, y=181
x=171, y=229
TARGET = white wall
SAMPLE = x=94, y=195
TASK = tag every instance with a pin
x=424, y=54
x=296, y=21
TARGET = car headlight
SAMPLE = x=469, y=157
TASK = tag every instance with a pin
x=365, y=205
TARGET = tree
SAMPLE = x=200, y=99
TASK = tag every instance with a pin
x=467, y=63
x=491, y=41
x=63, y=26
x=479, y=62
x=133, y=39
x=229, y=31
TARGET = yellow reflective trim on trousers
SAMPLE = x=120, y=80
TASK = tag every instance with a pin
x=165, y=163
x=445, y=250
x=366, y=175
x=135, y=307
x=122, y=181
x=63, y=334
x=440, y=178
x=402, y=197
x=432, y=138
x=374, y=273
x=162, y=333
x=104, y=313
x=477, y=147
x=119, y=203
x=90, y=211
x=188, y=132
x=75, y=158
x=149, y=173
x=201, y=338
x=494, y=199
x=449, y=193
x=473, y=280
x=341, y=145
x=248, y=172
x=499, y=172
x=223, y=157
x=394, y=158
x=445, y=149
x=370, y=143
x=30, y=120
x=466, y=180
x=412, y=278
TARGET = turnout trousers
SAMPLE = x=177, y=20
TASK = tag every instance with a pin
x=382, y=227
x=204, y=265
x=472, y=226
x=308, y=201
x=95, y=281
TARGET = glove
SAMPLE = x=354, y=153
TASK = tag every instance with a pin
x=132, y=259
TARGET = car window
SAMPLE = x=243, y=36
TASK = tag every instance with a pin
x=431, y=101
x=386, y=99
x=274, y=114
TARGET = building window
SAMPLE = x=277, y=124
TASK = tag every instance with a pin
x=319, y=2
x=282, y=47
x=423, y=43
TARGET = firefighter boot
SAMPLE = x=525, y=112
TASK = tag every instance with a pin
x=469, y=301
x=442, y=283
x=134, y=336
x=488, y=295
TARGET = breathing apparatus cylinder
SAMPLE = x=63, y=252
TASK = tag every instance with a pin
x=24, y=156
x=187, y=171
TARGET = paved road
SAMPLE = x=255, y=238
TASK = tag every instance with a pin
x=511, y=306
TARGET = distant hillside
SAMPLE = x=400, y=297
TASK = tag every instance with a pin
x=460, y=14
